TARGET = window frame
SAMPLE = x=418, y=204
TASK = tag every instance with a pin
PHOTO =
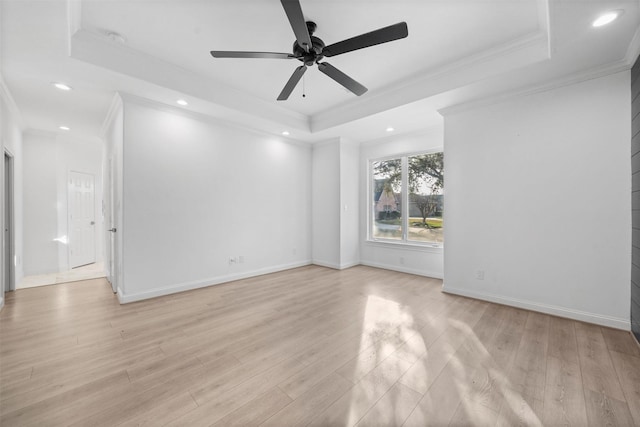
x=404, y=242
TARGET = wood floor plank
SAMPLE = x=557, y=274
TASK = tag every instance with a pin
x=471, y=412
x=425, y=370
x=519, y=410
x=360, y=346
x=162, y=413
x=440, y=402
x=313, y=401
x=603, y=410
x=257, y=410
x=629, y=376
x=63, y=409
x=598, y=373
x=232, y=392
x=352, y=406
x=528, y=372
x=562, y=343
x=619, y=341
x=392, y=409
x=563, y=398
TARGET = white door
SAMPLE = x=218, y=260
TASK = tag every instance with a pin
x=82, y=219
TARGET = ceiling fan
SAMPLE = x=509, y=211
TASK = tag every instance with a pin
x=310, y=49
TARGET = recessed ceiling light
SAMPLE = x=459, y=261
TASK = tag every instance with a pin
x=285, y=133
x=390, y=129
x=61, y=86
x=182, y=102
x=64, y=128
x=607, y=18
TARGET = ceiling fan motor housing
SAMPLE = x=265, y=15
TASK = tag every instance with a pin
x=315, y=52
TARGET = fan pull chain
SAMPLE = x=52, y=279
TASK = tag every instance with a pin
x=303, y=87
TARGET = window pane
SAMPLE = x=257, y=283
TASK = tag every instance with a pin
x=387, y=203
x=426, y=198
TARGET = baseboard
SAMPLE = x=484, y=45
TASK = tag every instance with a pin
x=326, y=264
x=197, y=284
x=598, y=319
x=346, y=265
x=335, y=266
x=1, y=303
x=403, y=269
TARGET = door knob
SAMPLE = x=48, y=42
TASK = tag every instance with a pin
x=93, y=222
x=113, y=230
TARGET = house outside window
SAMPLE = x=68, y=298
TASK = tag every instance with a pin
x=413, y=185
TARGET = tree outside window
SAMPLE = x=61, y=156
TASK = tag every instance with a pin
x=417, y=181
x=387, y=210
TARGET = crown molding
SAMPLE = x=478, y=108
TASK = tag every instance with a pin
x=633, y=51
x=522, y=51
x=5, y=93
x=202, y=117
x=74, y=20
x=567, y=80
x=93, y=49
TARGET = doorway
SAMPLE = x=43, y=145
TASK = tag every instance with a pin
x=8, y=243
x=111, y=232
x=82, y=219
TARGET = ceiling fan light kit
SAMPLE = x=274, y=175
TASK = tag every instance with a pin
x=311, y=50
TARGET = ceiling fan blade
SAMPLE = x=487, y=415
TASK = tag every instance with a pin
x=294, y=12
x=291, y=84
x=235, y=54
x=341, y=78
x=383, y=35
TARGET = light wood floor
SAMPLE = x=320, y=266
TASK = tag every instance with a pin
x=310, y=346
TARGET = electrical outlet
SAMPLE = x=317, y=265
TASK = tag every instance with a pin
x=232, y=260
x=401, y=260
x=480, y=275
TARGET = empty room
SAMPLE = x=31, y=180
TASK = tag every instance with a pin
x=320, y=213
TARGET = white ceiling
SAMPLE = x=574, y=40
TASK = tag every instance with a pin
x=457, y=51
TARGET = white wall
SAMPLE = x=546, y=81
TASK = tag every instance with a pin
x=335, y=198
x=538, y=197
x=349, y=204
x=425, y=261
x=197, y=192
x=40, y=204
x=325, y=202
x=11, y=140
x=48, y=159
x=112, y=160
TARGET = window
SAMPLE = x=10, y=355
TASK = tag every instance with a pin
x=413, y=185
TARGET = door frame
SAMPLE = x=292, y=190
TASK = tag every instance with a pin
x=8, y=215
x=110, y=236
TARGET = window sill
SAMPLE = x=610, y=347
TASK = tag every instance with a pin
x=421, y=247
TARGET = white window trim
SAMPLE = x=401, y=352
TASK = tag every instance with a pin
x=394, y=243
